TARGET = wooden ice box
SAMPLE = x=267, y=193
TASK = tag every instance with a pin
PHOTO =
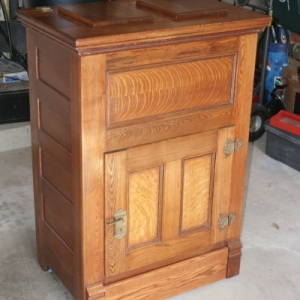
x=140, y=119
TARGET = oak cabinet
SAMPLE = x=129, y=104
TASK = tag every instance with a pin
x=140, y=113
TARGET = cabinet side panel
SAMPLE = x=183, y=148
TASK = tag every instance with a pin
x=54, y=65
x=34, y=119
x=55, y=115
x=52, y=85
x=59, y=257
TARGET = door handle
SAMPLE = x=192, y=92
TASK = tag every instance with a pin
x=119, y=223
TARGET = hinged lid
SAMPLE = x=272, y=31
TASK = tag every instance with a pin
x=97, y=14
x=183, y=9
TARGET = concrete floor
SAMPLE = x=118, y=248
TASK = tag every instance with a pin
x=270, y=267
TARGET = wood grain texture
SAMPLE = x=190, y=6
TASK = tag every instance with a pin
x=122, y=114
x=234, y=258
x=144, y=207
x=172, y=54
x=59, y=175
x=36, y=169
x=87, y=117
x=58, y=213
x=59, y=257
x=161, y=30
x=167, y=282
x=104, y=14
x=53, y=72
x=197, y=192
x=140, y=94
x=222, y=184
x=153, y=237
x=55, y=114
x=157, y=130
x=115, y=199
x=242, y=112
x=181, y=9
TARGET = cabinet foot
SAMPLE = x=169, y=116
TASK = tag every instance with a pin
x=234, y=258
x=95, y=292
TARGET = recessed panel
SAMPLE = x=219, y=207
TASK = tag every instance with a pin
x=144, y=207
x=156, y=91
x=196, y=197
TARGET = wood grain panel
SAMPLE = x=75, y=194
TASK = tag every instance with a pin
x=58, y=213
x=173, y=149
x=55, y=114
x=115, y=199
x=54, y=49
x=196, y=201
x=140, y=94
x=144, y=207
x=59, y=175
x=59, y=257
x=53, y=72
x=36, y=163
x=206, y=48
x=222, y=184
x=169, y=281
x=144, y=133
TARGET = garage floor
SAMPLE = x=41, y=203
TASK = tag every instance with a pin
x=270, y=268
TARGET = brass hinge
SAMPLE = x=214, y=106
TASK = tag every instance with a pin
x=226, y=220
x=232, y=146
x=44, y=8
x=119, y=223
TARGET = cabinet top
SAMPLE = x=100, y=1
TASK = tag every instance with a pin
x=127, y=23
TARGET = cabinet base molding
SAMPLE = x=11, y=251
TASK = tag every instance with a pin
x=234, y=257
x=168, y=281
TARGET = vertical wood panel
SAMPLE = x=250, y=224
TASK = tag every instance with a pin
x=171, y=200
x=196, y=202
x=222, y=184
x=34, y=119
x=243, y=95
x=59, y=175
x=115, y=199
x=88, y=129
x=144, y=207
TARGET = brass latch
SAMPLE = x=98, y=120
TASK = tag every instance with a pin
x=44, y=8
x=232, y=146
x=119, y=223
x=226, y=220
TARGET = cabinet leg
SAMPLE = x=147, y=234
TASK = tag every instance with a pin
x=234, y=258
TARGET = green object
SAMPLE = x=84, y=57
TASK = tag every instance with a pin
x=287, y=14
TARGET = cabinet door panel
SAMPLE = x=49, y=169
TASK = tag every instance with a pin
x=168, y=189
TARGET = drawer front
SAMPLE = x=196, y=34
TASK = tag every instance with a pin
x=141, y=95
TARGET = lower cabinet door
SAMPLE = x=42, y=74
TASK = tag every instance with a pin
x=163, y=200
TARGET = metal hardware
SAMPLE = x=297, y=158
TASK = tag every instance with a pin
x=226, y=220
x=232, y=146
x=119, y=223
x=44, y=8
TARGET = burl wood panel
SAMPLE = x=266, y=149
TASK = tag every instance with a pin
x=197, y=194
x=144, y=207
x=143, y=93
